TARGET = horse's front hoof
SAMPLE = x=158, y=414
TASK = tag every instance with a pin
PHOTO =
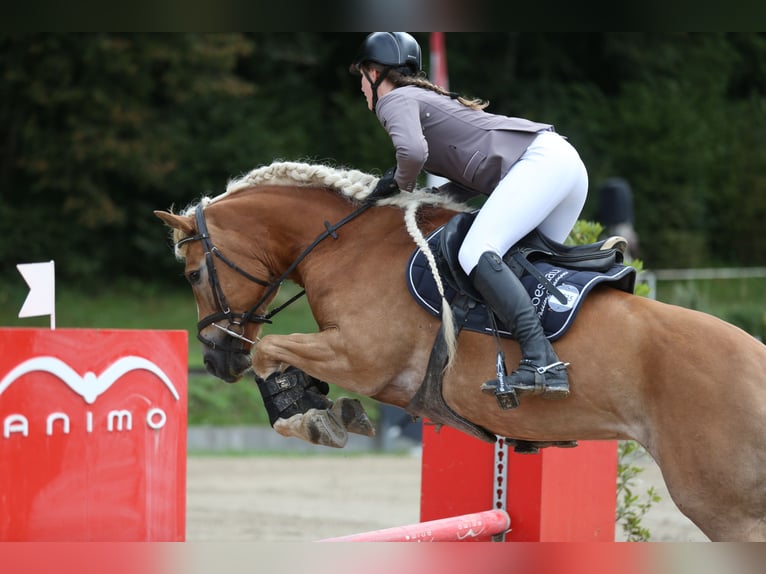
x=353, y=416
x=317, y=426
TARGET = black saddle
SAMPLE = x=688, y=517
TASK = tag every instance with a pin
x=597, y=257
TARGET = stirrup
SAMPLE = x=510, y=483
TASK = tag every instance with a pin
x=504, y=392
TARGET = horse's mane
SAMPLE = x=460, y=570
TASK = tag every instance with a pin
x=355, y=185
x=351, y=183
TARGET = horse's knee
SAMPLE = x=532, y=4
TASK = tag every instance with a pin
x=262, y=359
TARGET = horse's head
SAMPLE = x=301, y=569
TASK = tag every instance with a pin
x=232, y=290
x=234, y=279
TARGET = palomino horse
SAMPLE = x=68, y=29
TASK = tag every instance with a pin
x=687, y=386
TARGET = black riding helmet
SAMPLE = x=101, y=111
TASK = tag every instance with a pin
x=393, y=50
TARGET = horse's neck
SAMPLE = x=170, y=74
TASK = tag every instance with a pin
x=284, y=222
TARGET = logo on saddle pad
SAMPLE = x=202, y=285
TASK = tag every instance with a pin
x=570, y=292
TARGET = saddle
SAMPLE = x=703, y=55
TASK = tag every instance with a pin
x=597, y=257
x=557, y=278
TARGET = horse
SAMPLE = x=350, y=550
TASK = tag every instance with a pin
x=687, y=386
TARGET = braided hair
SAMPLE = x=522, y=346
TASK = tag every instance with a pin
x=403, y=76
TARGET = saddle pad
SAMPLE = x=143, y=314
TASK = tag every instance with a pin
x=555, y=316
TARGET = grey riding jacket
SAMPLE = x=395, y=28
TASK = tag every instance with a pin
x=472, y=148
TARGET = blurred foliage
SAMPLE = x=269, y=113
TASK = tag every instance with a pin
x=100, y=129
x=633, y=506
x=585, y=232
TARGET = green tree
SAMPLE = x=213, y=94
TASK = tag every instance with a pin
x=101, y=129
x=98, y=130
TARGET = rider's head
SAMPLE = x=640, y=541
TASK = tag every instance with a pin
x=384, y=52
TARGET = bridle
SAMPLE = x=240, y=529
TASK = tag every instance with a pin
x=238, y=320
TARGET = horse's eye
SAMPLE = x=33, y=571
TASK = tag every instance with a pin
x=193, y=277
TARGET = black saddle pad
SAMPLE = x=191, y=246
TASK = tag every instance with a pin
x=555, y=316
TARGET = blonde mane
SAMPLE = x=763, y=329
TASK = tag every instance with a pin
x=355, y=185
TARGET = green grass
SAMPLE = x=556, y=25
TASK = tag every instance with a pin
x=138, y=306
x=738, y=301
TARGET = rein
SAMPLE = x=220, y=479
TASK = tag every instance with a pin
x=239, y=320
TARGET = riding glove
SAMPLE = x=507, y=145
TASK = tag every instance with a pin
x=386, y=186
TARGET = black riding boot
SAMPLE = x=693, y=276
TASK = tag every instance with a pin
x=540, y=371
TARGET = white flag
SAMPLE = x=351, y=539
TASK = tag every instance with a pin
x=42, y=287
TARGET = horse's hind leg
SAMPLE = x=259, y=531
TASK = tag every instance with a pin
x=720, y=488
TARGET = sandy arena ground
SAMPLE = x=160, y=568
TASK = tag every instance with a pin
x=305, y=498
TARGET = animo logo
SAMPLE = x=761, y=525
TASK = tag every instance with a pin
x=88, y=386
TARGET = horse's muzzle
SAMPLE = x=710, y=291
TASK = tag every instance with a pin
x=226, y=365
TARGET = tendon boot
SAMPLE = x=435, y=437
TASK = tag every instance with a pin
x=540, y=371
x=292, y=392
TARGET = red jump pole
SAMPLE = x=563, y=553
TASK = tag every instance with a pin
x=476, y=527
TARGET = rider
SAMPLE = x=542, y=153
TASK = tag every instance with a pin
x=532, y=176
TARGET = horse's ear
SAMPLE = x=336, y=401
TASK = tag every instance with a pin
x=180, y=222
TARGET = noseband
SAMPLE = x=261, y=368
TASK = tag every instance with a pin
x=238, y=320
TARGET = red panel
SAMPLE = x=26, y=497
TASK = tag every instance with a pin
x=557, y=495
x=579, y=487
x=457, y=474
x=92, y=435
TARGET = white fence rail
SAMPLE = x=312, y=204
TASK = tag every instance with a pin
x=652, y=277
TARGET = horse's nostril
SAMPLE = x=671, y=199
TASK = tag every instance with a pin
x=209, y=367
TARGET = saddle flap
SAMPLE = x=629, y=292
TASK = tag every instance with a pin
x=450, y=239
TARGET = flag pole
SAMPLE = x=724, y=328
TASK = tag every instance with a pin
x=438, y=76
x=53, y=296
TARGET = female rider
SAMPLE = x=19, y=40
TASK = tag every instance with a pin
x=532, y=176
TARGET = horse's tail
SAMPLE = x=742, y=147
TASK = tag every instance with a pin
x=448, y=318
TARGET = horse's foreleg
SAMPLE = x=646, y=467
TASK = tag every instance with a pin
x=318, y=354
x=327, y=425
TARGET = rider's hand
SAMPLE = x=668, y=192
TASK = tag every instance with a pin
x=386, y=186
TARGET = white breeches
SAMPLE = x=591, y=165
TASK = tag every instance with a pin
x=546, y=189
